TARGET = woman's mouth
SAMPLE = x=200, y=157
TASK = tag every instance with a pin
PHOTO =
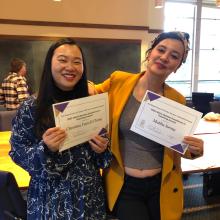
x=160, y=65
x=69, y=77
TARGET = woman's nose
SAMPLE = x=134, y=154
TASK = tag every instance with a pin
x=70, y=66
x=165, y=57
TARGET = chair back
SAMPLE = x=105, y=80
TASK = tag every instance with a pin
x=6, y=120
x=215, y=106
x=12, y=204
x=201, y=101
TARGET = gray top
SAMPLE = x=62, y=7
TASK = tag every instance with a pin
x=137, y=151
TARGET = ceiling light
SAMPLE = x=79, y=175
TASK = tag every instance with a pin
x=158, y=3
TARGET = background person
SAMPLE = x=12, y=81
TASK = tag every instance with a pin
x=64, y=185
x=145, y=179
x=14, y=89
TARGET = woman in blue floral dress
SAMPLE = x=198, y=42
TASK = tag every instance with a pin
x=64, y=185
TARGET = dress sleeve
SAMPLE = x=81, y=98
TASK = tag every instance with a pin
x=31, y=153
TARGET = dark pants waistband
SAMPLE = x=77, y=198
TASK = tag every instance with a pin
x=150, y=178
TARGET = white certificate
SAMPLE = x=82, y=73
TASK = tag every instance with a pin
x=82, y=118
x=165, y=121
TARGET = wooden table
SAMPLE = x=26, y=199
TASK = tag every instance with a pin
x=209, y=131
x=6, y=164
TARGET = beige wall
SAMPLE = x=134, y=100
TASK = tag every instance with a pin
x=129, y=13
x=121, y=12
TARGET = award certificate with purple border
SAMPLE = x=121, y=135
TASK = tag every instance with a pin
x=82, y=118
x=165, y=121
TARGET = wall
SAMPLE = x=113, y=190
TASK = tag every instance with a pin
x=121, y=20
x=102, y=57
x=120, y=12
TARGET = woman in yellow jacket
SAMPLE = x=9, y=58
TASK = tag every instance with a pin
x=145, y=180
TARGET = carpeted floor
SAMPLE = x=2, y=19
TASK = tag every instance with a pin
x=196, y=207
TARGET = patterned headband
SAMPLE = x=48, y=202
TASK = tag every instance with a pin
x=185, y=39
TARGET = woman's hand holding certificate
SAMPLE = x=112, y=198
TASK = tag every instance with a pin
x=99, y=143
x=53, y=137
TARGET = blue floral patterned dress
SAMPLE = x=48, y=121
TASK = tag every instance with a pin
x=64, y=185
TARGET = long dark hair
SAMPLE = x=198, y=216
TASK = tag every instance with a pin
x=48, y=91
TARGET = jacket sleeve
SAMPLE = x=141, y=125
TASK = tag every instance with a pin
x=31, y=153
x=104, y=86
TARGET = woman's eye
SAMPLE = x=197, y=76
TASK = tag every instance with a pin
x=161, y=50
x=62, y=60
x=77, y=62
x=176, y=57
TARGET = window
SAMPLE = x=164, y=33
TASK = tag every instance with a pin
x=209, y=57
x=204, y=77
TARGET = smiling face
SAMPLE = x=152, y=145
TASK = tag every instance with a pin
x=67, y=66
x=165, y=57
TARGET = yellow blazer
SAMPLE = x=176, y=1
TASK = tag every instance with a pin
x=119, y=87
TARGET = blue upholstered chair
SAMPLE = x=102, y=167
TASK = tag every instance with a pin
x=6, y=119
